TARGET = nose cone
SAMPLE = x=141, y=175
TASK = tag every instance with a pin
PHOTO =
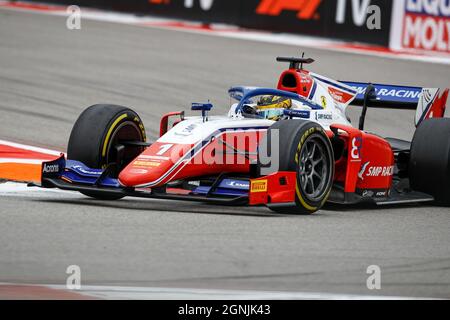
x=151, y=168
x=131, y=177
x=145, y=171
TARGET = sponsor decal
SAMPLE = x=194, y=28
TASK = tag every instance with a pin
x=374, y=193
x=380, y=171
x=359, y=9
x=297, y=113
x=139, y=163
x=83, y=170
x=383, y=193
x=305, y=78
x=339, y=96
x=324, y=116
x=397, y=93
x=426, y=25
x=138, y=171
x=323, y=101
x=144, y=156
x=187, y=131
x=368, y=193
x=363, y=170
x=50, y=168
x=237, y=184
x=259, y=186
x=306, y=9
x=388, y=92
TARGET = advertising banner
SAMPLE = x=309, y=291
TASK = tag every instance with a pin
x=302, y=16
x=421, y=25
x=209, y=11
x=366, y=21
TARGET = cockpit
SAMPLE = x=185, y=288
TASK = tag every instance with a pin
x=266, y=103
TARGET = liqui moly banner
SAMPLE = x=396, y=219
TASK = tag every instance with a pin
x=421, y=25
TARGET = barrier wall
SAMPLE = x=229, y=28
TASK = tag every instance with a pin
x=337, y=19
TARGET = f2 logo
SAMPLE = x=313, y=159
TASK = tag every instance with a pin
x=306, y=9
x=355, y=152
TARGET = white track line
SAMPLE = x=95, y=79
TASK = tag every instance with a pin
x=29, y=148
x=21, y=189
x=20, y=160
x=163, y=293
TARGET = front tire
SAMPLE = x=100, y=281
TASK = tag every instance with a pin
x=97, y=132
x=304, y=148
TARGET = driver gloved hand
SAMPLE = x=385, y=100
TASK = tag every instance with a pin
x=248, y=109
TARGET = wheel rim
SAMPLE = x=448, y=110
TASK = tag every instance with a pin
x=127, y=131
x=313, y=168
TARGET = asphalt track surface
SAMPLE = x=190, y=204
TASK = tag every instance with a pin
x=48, y=74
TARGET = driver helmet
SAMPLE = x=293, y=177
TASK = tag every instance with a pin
x=272, y=107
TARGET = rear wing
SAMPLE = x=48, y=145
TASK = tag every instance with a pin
x=428, y=102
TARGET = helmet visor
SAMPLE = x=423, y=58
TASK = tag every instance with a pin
x=271, y=114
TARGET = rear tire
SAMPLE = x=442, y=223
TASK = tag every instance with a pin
x=95, y=133
x=305, y=149
x=429, y=166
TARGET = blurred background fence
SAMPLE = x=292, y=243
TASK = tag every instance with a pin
x=398, y=24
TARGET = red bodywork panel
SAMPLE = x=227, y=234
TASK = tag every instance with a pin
x=275, y=188
x=367, y=162
x=164, y=123
x=437, y=110
x=297, y=81
x=164, y=162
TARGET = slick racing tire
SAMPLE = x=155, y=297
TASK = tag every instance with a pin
x=97, y=132
x=429, y=165
x=304, y=148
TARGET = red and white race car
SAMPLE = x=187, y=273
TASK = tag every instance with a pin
x=291, y=149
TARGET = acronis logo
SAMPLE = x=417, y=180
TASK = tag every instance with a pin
x=306, y=9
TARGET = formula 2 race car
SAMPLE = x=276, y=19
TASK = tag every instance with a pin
x=291, y=148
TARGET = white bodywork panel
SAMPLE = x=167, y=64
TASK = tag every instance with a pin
x=194, y=129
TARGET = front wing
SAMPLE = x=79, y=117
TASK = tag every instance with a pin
x=226, y=189
x=274, y=189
